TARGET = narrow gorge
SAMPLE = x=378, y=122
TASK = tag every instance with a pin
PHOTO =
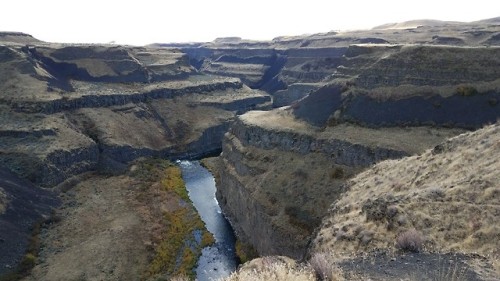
x=325, y=145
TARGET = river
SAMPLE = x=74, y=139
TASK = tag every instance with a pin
x=219, y=260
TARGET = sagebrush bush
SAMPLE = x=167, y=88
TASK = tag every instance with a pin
x=410, y=240
x=324, y=268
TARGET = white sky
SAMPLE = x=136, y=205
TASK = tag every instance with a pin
x=149, y=21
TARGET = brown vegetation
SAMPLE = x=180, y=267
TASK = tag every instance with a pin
x=450, y=194
x=128, y=227
x=409, y=240
x=272, y=268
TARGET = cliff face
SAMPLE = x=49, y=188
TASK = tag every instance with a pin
x=285, y=64
x=70, y=109
x=280, y=170
x=21, y=206
x=66, y=110
x=277, y=175
x=409, y=85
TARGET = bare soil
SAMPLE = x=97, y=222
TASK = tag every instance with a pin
x=379, y=266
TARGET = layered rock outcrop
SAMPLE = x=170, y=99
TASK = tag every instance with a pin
x=285, y=64
x=277, y=175
x=280, y=170
x=71, y=109
x=66, y=110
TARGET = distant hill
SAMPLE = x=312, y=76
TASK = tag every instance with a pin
x=17, y=37
x=415, y=24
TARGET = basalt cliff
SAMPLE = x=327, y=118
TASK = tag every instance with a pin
x=301, y=122
x=68, y=110
x=281, y=170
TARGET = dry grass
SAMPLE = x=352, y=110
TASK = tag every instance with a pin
x=272, y=268
x=295, y=189
x=325, y=268
x=177, y=249
x=450, y=194
x=134, y=226
x=447, y=270
x=320, y=267
x=410, y=240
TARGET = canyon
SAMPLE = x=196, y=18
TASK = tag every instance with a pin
x=297, y=119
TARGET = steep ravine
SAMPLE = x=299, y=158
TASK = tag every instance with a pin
x=72, y=112
x=217, y=260
x=95, y=123
x=278, y=175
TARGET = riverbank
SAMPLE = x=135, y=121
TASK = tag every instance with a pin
x=218, y=260
x=136, y=226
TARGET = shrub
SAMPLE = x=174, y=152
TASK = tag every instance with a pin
x=324, y=268
x=466, y=91
x=411, y=241
x=301, y=218
x=245, y=252
x=173, y=181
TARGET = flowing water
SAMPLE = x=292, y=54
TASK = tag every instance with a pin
x=219, y=260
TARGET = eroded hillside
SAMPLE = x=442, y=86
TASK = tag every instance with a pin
x=435, y=212
x=67, y=111
x=290, y=67
x=75, y=117
x=449, y=195
x=278, y=175
x=287, y=165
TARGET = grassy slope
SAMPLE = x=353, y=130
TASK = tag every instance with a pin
x=449, y=194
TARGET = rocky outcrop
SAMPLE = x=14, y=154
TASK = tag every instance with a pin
x=279, y=170
x=47, y=155
x=408, y=86
x=69, y=109
x=278, y=175
x=455, y=111
x=96, y=99
x=275, y=66
x=208, y=143
x=333, y=104
x=429, y=65
x=294, y=93
x=111, y=63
